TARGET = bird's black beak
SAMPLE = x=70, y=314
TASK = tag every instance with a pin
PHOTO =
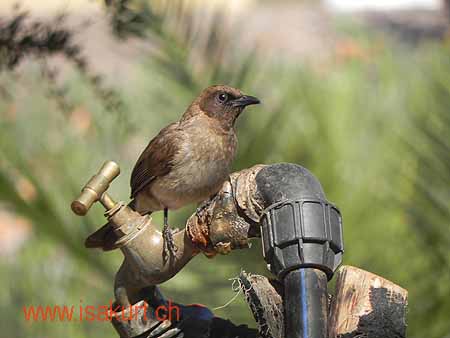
x=245, y=100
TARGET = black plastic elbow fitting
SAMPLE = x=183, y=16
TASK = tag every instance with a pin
x=302, y=243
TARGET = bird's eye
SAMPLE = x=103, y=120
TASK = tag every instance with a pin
x=222, y=97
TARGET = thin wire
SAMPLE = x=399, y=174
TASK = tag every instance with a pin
x=236, y=289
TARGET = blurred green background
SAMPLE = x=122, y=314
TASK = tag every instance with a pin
x=362, y=100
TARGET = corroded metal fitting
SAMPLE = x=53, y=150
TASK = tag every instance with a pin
x=226, y=222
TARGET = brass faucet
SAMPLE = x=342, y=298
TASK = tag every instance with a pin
x=137, y=237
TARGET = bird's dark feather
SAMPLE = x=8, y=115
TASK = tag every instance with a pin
x=156, y=159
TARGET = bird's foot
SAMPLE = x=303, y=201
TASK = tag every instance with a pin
x=170, y=249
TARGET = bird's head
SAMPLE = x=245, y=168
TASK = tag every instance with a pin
x=222, y=103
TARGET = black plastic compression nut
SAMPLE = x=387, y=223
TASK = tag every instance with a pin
x=308, y=234
x=299, y=227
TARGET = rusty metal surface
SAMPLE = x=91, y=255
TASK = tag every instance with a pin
x=228, y=220
x=246, y=192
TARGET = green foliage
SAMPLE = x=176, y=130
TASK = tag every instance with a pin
x=374, y=130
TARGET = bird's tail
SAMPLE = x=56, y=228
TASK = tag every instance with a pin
x=104, y=237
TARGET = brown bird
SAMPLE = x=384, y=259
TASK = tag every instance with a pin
x=187, y=162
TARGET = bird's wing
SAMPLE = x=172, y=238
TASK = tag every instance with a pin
x=157, y=159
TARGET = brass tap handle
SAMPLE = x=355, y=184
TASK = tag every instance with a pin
x=95, y=189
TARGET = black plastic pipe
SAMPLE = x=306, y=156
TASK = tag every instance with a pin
x=310, y=308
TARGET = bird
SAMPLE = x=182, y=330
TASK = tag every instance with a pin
x=186, y=162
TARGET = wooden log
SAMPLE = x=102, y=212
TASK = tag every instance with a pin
x=264, y=298
x=367, y=305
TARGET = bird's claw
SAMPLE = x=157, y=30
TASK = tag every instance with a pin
x=170, y=249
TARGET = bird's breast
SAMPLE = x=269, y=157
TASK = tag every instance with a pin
x=199, y=169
